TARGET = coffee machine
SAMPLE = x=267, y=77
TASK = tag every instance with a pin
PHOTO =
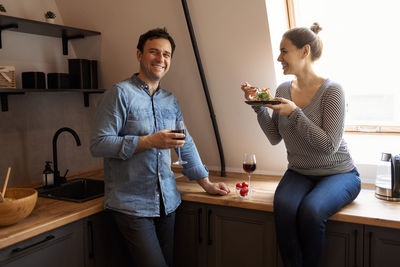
x=388, y=178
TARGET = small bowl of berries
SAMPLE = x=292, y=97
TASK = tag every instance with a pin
x=243, y=190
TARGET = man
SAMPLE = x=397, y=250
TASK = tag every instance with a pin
x=132, y=131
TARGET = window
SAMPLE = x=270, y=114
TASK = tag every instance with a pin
x=361, y=52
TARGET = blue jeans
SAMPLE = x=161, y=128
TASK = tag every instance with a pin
x=302, y=206
x=150, y=240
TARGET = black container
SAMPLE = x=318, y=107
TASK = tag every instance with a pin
x=58, y=81
x=93, y=75
x=35, y=80
x=79, y=71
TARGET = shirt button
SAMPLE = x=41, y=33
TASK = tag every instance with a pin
x=159, y=174
x=158, y=195
x=159, y=153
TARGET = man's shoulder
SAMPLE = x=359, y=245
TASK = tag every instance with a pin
x=125, y=84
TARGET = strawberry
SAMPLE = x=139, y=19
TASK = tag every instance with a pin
x=238, y=185
x=244, y=184
x=244, y=191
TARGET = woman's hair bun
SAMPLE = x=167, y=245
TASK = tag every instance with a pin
x=315, y=28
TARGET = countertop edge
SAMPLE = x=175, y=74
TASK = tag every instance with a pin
x=51, y=225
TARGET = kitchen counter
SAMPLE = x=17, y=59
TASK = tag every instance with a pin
x=50, y=214
x=365, y=209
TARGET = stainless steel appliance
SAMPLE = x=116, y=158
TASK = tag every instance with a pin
x=388, y=178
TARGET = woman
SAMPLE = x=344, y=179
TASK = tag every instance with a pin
x=321, y=176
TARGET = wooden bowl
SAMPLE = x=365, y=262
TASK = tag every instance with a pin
x=20, y=204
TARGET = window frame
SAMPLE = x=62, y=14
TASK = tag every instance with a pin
x=349, y=128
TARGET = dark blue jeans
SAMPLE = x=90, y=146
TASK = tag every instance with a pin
x=150, y=240
x=302, y=206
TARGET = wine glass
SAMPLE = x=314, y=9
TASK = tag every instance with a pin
x=180, y=128
x=249, y=164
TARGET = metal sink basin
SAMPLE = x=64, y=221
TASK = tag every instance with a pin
x=75, y=190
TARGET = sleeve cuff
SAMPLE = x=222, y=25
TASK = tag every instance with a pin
x=196, y=172
x=129, y=146
x=258, y=109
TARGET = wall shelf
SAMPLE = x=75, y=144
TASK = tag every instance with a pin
x=43, y=28
x=4, y=92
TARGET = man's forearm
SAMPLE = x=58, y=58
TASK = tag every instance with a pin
x=143, y=144
x=203, y=182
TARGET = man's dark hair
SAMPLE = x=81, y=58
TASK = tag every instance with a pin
x=155, y=34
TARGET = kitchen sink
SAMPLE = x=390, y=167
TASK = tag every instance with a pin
x=75, y=190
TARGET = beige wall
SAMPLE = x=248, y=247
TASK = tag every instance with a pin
x=235, y=46
x=27, y=129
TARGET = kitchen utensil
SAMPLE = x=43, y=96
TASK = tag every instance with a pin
x=388, y=178
x=3, y=193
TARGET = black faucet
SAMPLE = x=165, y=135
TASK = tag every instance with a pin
x=57, y=178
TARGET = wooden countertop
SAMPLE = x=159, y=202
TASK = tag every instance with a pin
x=365, y=209
x=50, y=214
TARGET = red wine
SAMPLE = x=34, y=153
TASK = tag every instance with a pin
x=249, y=167
x=182, y=131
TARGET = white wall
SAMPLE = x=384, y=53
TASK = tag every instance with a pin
x=234, y=42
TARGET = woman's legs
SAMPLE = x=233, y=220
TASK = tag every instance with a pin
x=289, y=194
x=302, y=205
x=329, y=195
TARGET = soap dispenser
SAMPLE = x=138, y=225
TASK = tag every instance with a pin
x=48, y=175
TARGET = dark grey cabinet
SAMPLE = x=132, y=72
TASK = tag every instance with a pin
x=190, y=247
x=344, y=245
x=208, y=235
x=61, y=247
x=240, y=237
x=382, y=247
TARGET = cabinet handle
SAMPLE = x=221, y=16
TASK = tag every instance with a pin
x=209, y=227
x=91, y=241
x=355, y=247
x=199, y=219
x=16, y=250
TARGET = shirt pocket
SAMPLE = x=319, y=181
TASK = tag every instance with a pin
x=169, y=118
x=139, y=123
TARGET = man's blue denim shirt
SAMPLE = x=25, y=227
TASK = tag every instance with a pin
x=135, y=182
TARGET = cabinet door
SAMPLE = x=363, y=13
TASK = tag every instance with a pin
x=344, y=245
x=240, y=237
x=189, y=240
x=382, y=247
x=61, y=247
x=104, y=243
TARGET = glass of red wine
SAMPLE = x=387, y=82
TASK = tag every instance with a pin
x=249, y=164
x=180, y=128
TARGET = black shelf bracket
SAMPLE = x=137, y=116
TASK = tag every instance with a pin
x=4, y=99
x=4, y=102
x=65, y=40
x=86, y=97
x=5, y=27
